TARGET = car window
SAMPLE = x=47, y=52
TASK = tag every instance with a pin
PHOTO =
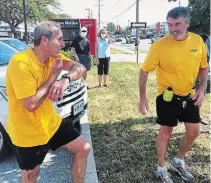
x=16, y=44
x=6, y=53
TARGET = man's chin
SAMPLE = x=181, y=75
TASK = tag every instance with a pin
x=177, y=38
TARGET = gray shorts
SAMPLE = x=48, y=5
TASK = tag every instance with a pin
x=85, y=61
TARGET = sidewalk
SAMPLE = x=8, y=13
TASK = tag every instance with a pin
x=131, y=56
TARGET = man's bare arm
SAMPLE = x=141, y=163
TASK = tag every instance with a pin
x=203, y=75
x=76, y=70
x=142, y=83
x=33, y=102
x=74, y=54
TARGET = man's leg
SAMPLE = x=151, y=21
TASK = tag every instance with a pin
x=163, y=137
x=30, y=176
x=80, y=149
x=192, y=132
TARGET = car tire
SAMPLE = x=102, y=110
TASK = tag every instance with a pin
x=77, y=125
x=4, y=146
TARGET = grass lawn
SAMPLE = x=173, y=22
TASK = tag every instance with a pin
x=117, y=51
x=124, y=140
x=140, y=50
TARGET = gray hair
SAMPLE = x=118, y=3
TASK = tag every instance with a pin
x=179, y=12
x=47, y=29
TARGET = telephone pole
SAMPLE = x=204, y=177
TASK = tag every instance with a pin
x=137, y=20
x=99, y=5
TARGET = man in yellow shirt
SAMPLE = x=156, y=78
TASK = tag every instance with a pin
x=32, y=87
x=178, y=58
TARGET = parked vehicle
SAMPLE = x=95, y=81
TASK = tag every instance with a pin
x=157, y=37
x=73, y=106
x=130, y=39
x=118, y=38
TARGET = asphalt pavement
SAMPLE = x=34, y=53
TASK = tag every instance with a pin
x=56, y=167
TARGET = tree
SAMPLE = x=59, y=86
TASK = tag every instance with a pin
x=200, y=16
x=11, y=11
x=111, y=27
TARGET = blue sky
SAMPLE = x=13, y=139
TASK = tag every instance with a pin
x=151, y=11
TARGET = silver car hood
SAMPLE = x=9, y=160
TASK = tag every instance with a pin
x=3, y=71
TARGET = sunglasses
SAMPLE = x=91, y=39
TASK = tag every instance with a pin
x=83, y=31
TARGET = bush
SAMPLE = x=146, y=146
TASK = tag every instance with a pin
x=69, y=54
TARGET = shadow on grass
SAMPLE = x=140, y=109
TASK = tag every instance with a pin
x=125, y=152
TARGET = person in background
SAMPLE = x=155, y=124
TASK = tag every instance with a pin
x=81, y=49
x=178, y=58
x=103, y=56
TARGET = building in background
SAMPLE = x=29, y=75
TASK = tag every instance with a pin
x=5, y=30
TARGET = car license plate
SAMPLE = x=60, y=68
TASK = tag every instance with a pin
x=78, y=107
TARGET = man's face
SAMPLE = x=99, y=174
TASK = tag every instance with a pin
x=178, y=28
x=55, y=44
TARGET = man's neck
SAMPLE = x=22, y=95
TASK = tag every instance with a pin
x=42, y=57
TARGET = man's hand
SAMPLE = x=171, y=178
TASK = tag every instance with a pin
x=77, y=60
x=143, y=105
x=57, y=67
x=199, y=96
x=97, y=61
x=57, y=89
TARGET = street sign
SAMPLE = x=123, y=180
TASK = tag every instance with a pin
x=138, y=24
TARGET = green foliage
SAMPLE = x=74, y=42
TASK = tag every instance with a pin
x=11, y=11
x=111, y=27
x=69, y=54
x=200, y=16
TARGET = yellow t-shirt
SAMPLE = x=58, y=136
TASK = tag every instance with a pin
x=25, y=74
x=176, y=62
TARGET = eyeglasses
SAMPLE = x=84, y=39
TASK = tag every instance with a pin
x=83, y=31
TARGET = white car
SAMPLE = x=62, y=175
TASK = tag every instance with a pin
x=73, y=106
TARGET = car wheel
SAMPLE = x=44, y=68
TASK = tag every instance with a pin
x=78, y=125
x=3, y=143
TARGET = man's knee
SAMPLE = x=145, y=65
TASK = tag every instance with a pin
x=79, y=147
x=193, y=132
x=165, y=132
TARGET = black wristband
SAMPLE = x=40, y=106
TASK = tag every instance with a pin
x=65, y=76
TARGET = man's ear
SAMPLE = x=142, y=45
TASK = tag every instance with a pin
x=44, y=39
x=187, y=22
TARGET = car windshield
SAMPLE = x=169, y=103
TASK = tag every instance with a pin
x=16, y=44
x=6, y=52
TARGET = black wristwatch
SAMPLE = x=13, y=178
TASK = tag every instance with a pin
x=65, y=76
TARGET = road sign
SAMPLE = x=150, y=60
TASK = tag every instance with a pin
x=138, y=24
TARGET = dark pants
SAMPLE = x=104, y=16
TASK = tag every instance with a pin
x=103, y=67
x=85, y=61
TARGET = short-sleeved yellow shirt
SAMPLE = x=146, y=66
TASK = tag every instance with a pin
x=176, y=62
x=25, y=74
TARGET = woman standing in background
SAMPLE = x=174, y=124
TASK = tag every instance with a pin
x=103, y=56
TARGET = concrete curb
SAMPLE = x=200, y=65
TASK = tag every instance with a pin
x=91, y=172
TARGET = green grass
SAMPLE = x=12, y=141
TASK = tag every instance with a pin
x=140, y=50
x=124, y=140
x=117, y=51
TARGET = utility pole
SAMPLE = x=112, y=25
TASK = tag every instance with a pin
x=99, y=14
x=88, y=13
x=137, y=33
x=25, y=22
x=99, y=5
x=179, y=3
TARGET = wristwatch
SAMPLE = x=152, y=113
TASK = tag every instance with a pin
x=65, y=76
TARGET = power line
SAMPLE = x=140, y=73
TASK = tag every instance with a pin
x=117, y=3
x=124, y=11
